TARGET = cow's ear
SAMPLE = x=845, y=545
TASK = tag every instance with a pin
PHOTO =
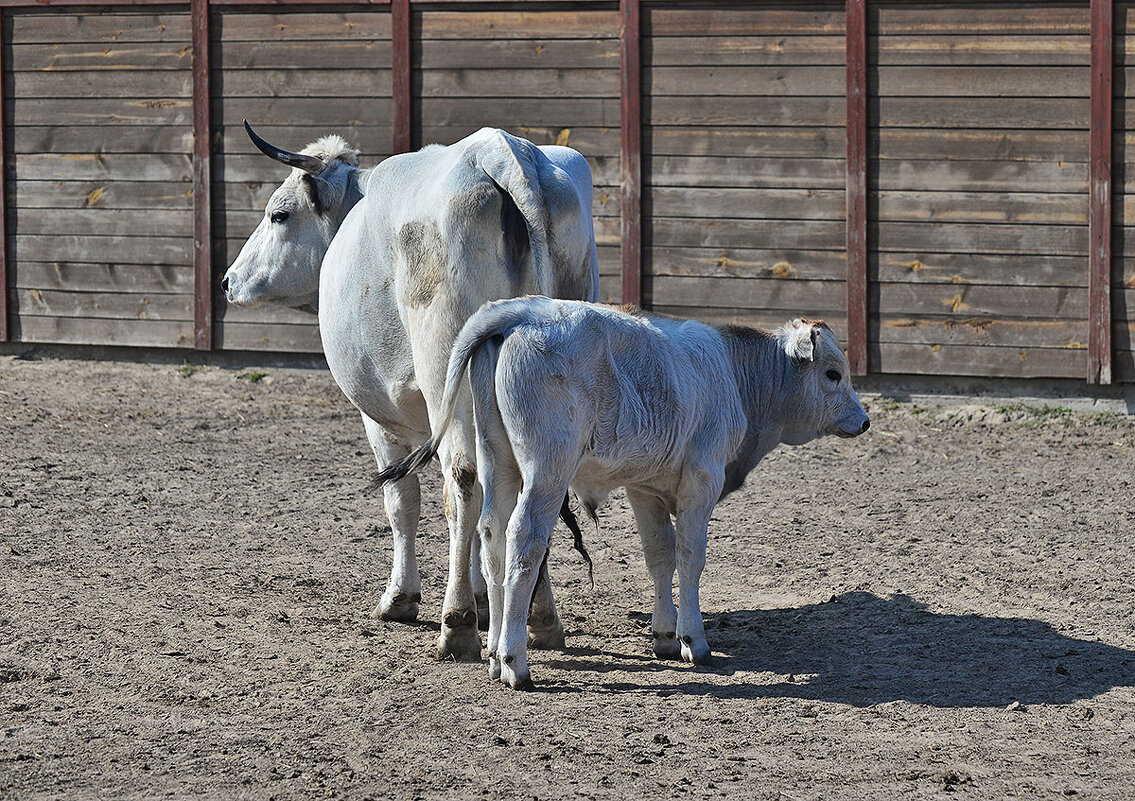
x=312, y=184
x=801, y=344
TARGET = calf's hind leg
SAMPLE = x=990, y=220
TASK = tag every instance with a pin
x=657, y=534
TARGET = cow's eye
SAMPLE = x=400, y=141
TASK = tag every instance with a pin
x=278, y=217
x=833, y=375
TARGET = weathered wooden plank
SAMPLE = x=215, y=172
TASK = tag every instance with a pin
x=981, y=82
x=978, y=300
x=488, y=83
x=979, y=112
x=1061, y=240
x=302, y=55
x=978, y=360
x=759, y=21
x=980, y=145
x=166, y=167
x=766, y=319
x=591, y=141
x=132, y=84
x=112, y=195
x=754, y=51
x=473, y=113
x=102, y=111
x=119, y=250
x=966, y=20
x=1018, y=333
x=111, y=28
x=231, y=314
x=745, y=204
x=96, y=221
x=132, y=306
x=260, y=26
x=104, y=278
x=722, y=140
x=769, y=112
x=787, y=80
x=133, y=139
x=83, y=331
x=968, y=268
x=990, y=49
x=269, y=337
x=75, y=57
x=518, y=54
x=372, y=140
x=819, y=297
x=551, y=24
x=1026, y=208
x=787, y=265
x=366, y=85
x=892, y=175
x=756, y=234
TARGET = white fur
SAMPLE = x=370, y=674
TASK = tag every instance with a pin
x=677, y=412
x=401, y=255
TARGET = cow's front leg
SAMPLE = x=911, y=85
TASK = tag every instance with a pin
x=403, y=509
x=657, y=534
x=460, y=638
x=697, y=495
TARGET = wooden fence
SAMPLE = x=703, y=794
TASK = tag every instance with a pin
x=945, y=182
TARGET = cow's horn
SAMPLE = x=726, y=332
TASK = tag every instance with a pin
x=309, y=164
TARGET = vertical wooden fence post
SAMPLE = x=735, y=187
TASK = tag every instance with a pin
x=4, y=333
x=856, y=28
x=402, y=86
x=1099, y=203
x=630, y=173
x=202, y=190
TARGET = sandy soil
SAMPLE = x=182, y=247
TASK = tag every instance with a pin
x=188, y=560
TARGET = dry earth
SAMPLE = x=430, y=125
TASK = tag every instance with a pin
x=187, y=561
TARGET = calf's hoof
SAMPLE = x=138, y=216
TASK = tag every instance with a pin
x=401, y=607
x=460, y=640
x=696, y=653
x=666, y=645
x=515, y=674
x=546, y=639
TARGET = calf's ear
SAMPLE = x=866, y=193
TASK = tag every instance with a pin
x=801, y=343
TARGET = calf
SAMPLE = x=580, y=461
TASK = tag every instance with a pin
x=677, y=412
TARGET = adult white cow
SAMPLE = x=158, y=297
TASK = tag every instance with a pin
x=394, y=259
x=676, y=411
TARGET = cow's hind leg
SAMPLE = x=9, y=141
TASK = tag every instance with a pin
x=657, y=534
x=403, y=506
x=460, y=639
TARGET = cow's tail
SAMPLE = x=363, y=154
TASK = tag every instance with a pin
x=492, y=320
x=512, y=164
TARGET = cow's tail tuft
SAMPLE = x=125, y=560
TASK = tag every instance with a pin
x=512, y=164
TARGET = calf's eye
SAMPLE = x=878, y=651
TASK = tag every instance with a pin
x=278, y=217
x=833, y=375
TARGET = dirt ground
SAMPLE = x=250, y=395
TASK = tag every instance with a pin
x=188, y=560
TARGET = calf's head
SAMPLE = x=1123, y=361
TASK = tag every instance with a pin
x=280, y=262
x=826, y=402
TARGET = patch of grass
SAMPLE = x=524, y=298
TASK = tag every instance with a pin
x=251, y=376
x=887, y=405
x=1038, y=416
x=188, y=369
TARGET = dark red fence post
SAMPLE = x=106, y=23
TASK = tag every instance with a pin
x=1099, y=203
x=4, y=334
x=856, y=23
x=401, y=75
x=202, y=200
x=630, y=172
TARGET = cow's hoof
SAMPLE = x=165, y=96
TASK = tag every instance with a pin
x=696, y=653
x=460, y=641
x=401, y=607
x=666, y=645
x=517, y=679
x=546, y=639
x=494, y=669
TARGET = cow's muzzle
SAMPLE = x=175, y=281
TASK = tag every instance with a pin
x=849, y=433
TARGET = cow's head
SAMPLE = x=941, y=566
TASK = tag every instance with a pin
x=827, y=403
x=280, y=262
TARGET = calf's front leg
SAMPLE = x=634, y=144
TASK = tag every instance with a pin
x=657, y=534
x=697, y=496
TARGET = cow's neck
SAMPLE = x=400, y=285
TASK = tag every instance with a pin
x=765, y=375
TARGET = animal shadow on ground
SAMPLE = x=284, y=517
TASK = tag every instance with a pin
x=860, y=649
